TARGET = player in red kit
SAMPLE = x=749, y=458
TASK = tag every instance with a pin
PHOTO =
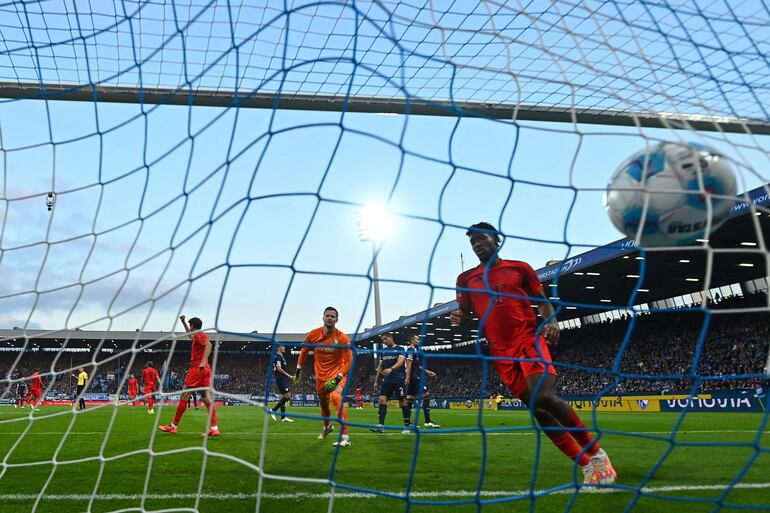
x=133, y=390
x=151, y=385
x=499, y=291
x=198, y=376
x=35, y=390
x=359, y=399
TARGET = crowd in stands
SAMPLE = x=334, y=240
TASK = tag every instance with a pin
x=660, y=352
x=653, y=353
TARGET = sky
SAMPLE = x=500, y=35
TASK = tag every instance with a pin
x=246, y=217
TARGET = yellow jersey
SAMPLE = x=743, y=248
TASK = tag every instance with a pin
x=82, y=378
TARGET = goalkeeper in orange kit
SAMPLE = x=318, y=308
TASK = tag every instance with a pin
x=332, y=358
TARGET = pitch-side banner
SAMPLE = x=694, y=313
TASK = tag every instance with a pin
x=717, y=402
x=590, y=403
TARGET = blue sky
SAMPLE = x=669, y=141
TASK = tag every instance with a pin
x=208, y=210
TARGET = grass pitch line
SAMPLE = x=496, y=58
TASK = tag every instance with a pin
x=469, y=494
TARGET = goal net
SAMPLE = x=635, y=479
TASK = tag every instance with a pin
x=209, y=159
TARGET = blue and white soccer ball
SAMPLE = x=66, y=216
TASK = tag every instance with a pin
x=676, y=182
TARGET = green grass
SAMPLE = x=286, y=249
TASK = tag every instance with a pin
x=107, y=452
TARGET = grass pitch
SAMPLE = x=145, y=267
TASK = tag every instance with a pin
x=111, y=459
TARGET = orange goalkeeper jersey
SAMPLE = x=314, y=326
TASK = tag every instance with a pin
x=329, y=360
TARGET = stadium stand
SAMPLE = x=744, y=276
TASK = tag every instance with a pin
x=661, y=345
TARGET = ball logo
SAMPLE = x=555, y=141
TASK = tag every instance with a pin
x=670, y=193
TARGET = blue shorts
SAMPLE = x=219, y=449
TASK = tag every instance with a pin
x=414, y=389
x=282, y=386
x=391, y=389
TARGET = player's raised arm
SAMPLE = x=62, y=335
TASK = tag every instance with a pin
x=186, y=326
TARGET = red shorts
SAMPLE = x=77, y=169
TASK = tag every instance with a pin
x=35, y=393
x=198, y=378
x=149, y=390
x=514, y=373
x=319, y=386
x=131, y=394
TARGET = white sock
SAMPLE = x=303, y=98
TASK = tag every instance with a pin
x=215, y=428
x=173, y=425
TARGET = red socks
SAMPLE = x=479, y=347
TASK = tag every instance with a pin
x=582, y=436
x=567, y=445
x=180, y=409
x=211, y=408
x=150, y=403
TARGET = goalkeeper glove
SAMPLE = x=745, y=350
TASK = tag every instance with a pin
x=297, y=376
x=332, y=383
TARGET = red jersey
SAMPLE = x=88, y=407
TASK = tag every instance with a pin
x=358, y=393
x=505, y=319
x=150, y=377
x=133, y=386
x=37, y=383
x=199, y=341
x=328, y=360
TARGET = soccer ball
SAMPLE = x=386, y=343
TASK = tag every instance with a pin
x=676, y=182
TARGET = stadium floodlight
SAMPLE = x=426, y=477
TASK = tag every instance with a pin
x=374, y=225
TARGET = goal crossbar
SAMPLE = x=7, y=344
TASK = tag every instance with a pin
x=378, y=105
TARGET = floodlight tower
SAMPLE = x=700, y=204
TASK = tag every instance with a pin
x=374, y=225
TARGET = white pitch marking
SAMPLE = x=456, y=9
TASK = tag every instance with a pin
x=470, y=494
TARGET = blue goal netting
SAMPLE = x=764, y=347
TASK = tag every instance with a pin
x=167, y=157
